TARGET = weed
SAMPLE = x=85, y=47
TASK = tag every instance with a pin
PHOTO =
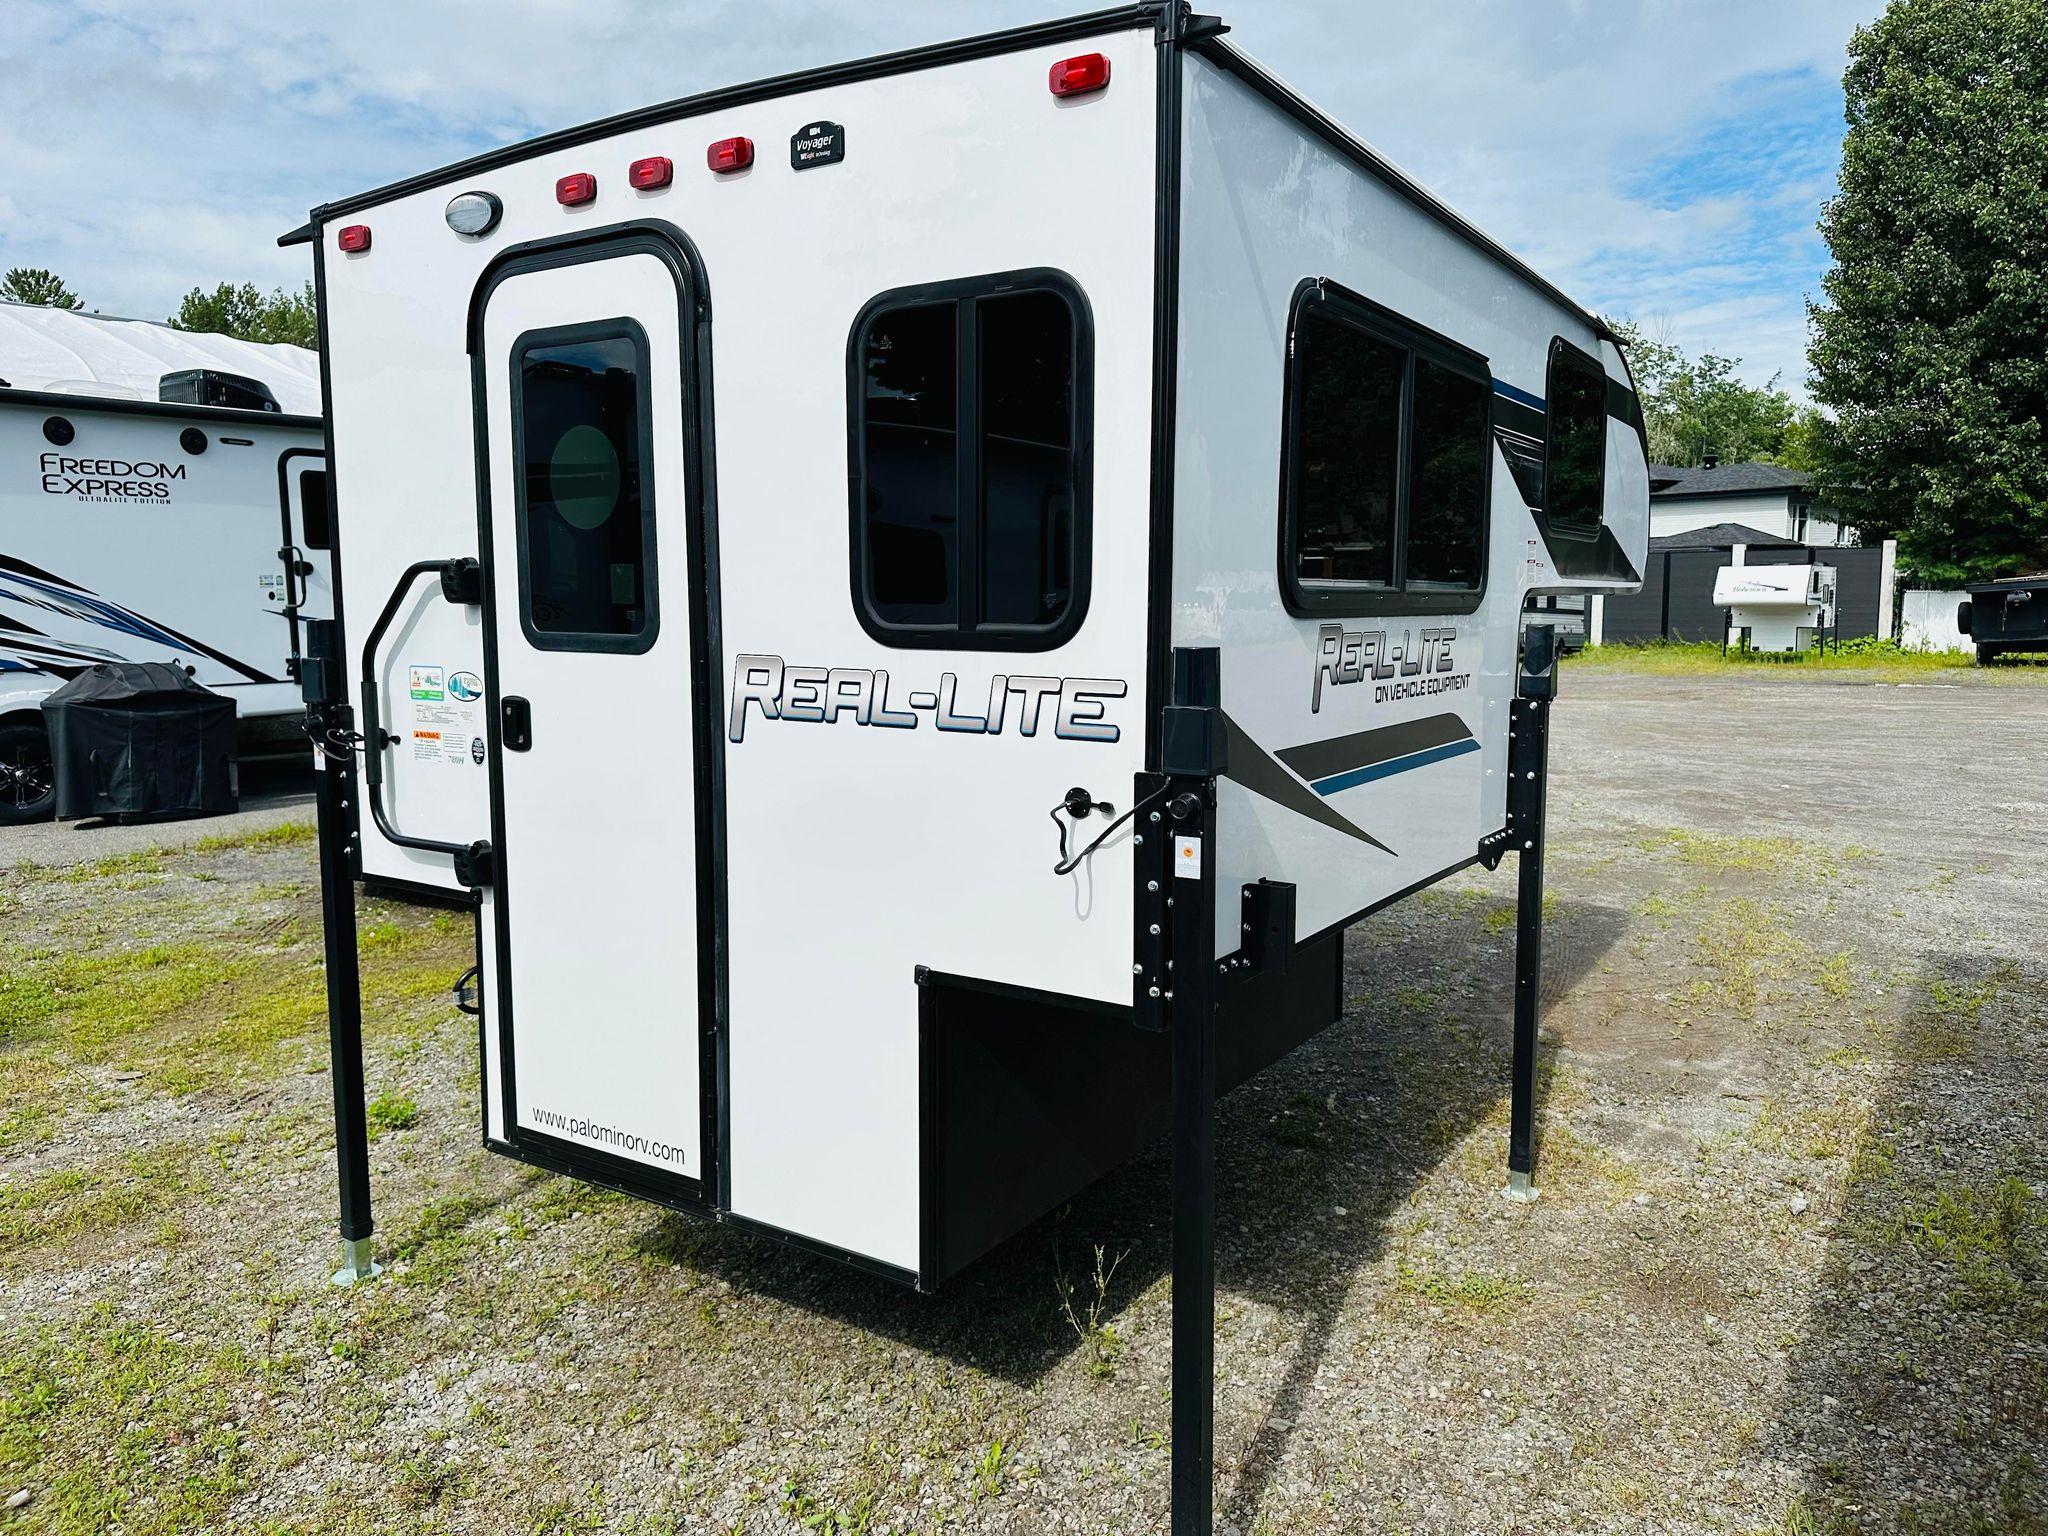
x=1104, y=1347
x=1473, y=1291
x=392, y=1112
x=288, y=834
x=988, y=1470
x=1976, y=1232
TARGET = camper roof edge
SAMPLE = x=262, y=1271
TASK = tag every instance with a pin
x=55, y=400
x=903, y=61
x=1277, y=91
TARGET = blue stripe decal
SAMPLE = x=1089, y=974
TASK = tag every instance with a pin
x=1338, y=782
x=1519, y=396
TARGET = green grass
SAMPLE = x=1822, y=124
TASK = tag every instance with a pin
x=288, y=834
x=1473, y=1290
x=391, y=1112
x=1977, y=1232
x=1880, y=657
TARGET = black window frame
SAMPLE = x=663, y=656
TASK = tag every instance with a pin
x=1576, y=357
x=618, y=328
x=1338, y=599
x=961, y=292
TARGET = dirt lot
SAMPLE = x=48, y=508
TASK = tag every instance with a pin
x=1787, y=1273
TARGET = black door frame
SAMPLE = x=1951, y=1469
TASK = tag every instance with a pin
x=669, y=245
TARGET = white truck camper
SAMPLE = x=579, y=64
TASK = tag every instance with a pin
x=162, y=498
x=1777, y=608
x=916, y=601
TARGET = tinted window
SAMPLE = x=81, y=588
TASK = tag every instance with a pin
x=584, y=501
x=1575, y=465
x=313, y=519
x=1349, y=447
x=970, y=476
x=1447, y=499
x=1027, y=457
x=1388, y=455
x=911, y=489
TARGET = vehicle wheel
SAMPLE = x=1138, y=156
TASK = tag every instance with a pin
x=1986, y=654
x=28, y=779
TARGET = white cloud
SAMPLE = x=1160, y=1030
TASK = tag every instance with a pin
x=156, y=144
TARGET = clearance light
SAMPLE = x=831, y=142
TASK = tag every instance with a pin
x=729, y=155
x=574, y=191
x=1078, y=76
x=654, y=171
x=474, y=213
x=353, y=238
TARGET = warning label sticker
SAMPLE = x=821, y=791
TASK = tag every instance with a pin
x=447, y=725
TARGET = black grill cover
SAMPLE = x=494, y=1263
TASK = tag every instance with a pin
x=140, y=738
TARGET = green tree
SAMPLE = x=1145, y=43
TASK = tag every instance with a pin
x=34, y=285
x=242, y=311
x=1695, y=408
x=1930, y=345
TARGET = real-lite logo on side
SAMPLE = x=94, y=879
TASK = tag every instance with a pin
x=1402, y=671
x=1077, y=707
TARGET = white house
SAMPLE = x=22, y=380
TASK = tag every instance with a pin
x=1773, y=502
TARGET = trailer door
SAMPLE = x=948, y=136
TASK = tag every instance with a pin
x=593, y=634
x=308, y=537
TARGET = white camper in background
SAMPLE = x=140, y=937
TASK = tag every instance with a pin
x=1777, y=607
x=903, y=594
x=162, y=498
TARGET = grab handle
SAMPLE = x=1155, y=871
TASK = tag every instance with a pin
x=461, y=582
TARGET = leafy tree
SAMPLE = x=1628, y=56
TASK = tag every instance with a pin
x=1695, y=408
x=35, y=285
x=242, y=311
x=1929, y=345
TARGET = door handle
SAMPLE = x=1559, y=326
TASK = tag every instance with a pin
x=515, y=721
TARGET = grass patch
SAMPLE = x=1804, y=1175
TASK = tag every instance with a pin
x=391, y=1112
x=1474, y=1291
x=1776, y=857
x=1746, y=953
x=116, y=1426
x=71, y=1203
x=1882, y=660
x=1977, y=1233
x=286, y=834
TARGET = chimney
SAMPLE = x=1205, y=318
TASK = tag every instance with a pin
x=1711, y=461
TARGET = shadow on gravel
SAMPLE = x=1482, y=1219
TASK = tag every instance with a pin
x=1353, y=1119
x=1917, y=1396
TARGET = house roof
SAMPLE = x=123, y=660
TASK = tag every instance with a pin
x=59, y=351
x=1717, y=536
x=1724, y=479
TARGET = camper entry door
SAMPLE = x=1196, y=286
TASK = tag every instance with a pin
x=600, y=1009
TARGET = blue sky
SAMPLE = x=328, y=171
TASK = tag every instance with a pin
x=1663, y=159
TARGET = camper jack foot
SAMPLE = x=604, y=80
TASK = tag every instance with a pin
x=1521, y=1187
x=356, y=1263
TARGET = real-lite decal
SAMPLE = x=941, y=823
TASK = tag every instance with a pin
x=1075, y=708
x=1400, y=669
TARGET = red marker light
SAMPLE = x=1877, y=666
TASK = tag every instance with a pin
x=730, y=155
x=654, y=171
x=1078, y=76
x=353, y=237
x=574, y=191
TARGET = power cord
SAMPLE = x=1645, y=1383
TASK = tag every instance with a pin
x=1078, y=804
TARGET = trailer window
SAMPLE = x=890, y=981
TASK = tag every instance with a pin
x=580, y=424
x=1575, y=458
x=313, y=524
x=1385, y=463
x=969, y=444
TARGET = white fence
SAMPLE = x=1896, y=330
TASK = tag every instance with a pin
x=1927, y=621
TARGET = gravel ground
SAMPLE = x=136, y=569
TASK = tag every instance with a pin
x=1786, y=1274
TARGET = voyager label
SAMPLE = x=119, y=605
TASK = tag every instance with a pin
x=1403, y=669
x=1076, y=708
x=816, y=144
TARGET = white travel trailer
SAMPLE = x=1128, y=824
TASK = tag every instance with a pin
x=162, y=498
x=919, y=600
x=1777, y=607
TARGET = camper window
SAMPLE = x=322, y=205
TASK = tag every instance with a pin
x=580, y=424
x=1575, y=460
x=968, y=424
x=1385, y=463
x=313, y=509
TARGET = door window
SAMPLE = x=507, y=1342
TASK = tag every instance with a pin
x=584, y=497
